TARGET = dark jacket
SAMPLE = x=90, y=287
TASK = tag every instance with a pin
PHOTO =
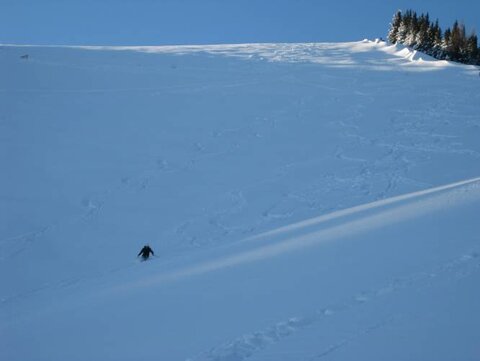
x=145, y=252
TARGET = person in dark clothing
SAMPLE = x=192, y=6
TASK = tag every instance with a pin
x=145, y=252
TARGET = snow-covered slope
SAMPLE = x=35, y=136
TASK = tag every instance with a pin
x=305, y=202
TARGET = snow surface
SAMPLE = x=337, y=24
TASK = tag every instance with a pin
x=305, y=202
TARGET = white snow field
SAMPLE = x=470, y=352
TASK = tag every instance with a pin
x=304, y=202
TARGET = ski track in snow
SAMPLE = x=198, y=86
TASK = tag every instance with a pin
x=473, y=183
x=247, y=345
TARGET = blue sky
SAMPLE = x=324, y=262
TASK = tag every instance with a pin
x=158, y=22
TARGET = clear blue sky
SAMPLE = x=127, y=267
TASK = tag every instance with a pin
x=158, y=22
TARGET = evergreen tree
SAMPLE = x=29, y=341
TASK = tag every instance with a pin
x=404, y=28
x=394, y=26
x=411, y=26
x=456, y=49
x=422, y=40
x=472, y=50
x=413, y=31
x=436, y=36
x=446, y=44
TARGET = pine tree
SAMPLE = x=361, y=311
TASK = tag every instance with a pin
x=404, y=28
x=394, y=26
x=456, y=49
x=411, y=29
x=446, y=44
x=422, y=40
x=472, y=50
x=436, y=34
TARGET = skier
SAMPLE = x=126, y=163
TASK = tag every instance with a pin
x=145, y=252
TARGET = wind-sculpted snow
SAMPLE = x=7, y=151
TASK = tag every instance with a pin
x=340, y=55
x=304, y=202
